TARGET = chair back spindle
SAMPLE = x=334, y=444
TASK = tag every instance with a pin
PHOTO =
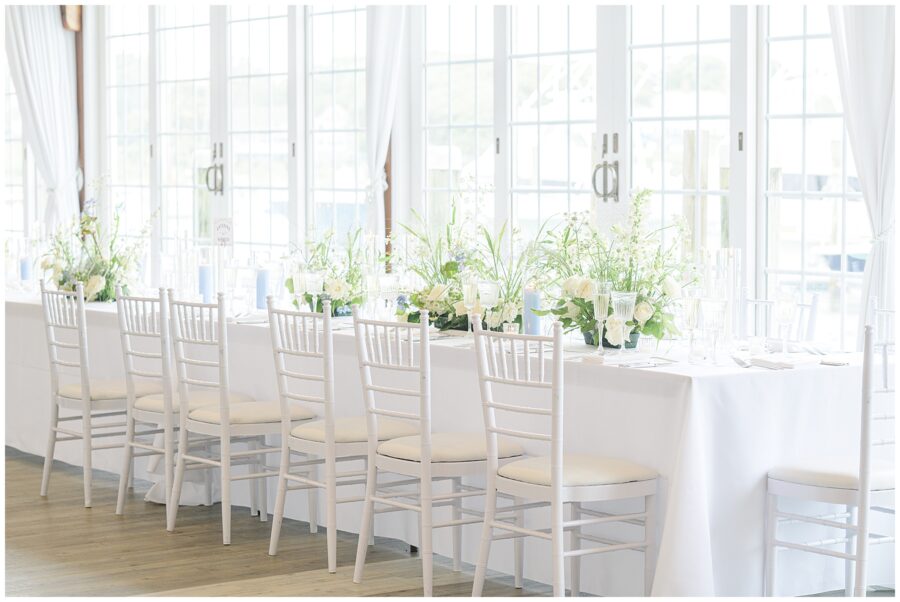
x=145, y=319
x=64, y=314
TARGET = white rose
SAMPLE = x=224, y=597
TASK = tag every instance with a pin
x=671, y=288
x=493, y=319
x=509, y=312
x=584, y=289
x=337, y=288
x=94, y=285
x=438, y=292
x=459, y=308
x=572, y=310
x=643, y=312
x=614, y=331
x=570, y=285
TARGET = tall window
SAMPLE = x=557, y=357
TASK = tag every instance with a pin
x=458, y=79
x=128, y=116
x=258, y=126
x=816, y=230
x=553, y=110
x=14, y=198
x=679, y=116
x=337, y=172
x=184, y=123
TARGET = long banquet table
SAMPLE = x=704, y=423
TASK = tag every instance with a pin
x=712, y=432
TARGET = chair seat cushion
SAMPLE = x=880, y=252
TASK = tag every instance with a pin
x=353, y=430
x=836, y=475
x=196, y=399
x=578, y=470
x=448, y=447
x=254, y=412
x=110, y=389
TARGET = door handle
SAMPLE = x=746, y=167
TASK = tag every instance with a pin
x=210, y=187
x=610, y=180
x=220, y=178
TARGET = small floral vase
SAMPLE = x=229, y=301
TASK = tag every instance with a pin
x=631, y=343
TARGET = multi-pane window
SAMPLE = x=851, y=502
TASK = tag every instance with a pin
x=128, y=116
x=817, y=234
x=257, y=141
x=458, y=136
x=14, y=199
x=337, y=172
x=184, y=124
x=679, y=117
x=552, y=119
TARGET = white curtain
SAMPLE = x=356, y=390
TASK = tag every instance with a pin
x=385, y=61
x=864, y=49
x=41, y=57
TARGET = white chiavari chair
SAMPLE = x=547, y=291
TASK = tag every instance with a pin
x=200, y=344
x=92, y=399
x=757, y=316
x=518, y=363
x=837, y=481
x=298, y=340
x=391, y=352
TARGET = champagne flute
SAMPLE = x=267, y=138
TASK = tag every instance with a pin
x=470, y=298
x=785, y=308
x=623, y=309
x=600, y=291
x=713, y=311
x=692, y=320
x=314, y=282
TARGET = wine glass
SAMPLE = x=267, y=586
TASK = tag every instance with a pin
x=488, y=294
x=623, y=309
x=713, y=311
x=313, y=283
x=470, y=298
x=692, y=320
x=387, y=295
x=785, y=308
x=600, y=291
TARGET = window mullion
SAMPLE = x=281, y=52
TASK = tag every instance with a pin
x=502, y=131
x=153, y=107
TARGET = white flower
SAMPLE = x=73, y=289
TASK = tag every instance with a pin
x=459, y=308
x=508, y=312
x=572, y=310
x=404, y=317
x=94, y=285
x=614, y=331
x=46, y=264
x=337, y=288
x=438, y=292
x=643, y=312
x=493, y=319
x=671, y=288
x=576, y=286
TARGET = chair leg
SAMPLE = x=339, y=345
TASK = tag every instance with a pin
x=650, y=545
x=519, y=547
x=457, y=530
x=575, y=544
x=208, y=478
x=131, y=474
x=278, y=514
x=175, y=498
x=127, y=464
x=253, y=467
x=87, y=442
x=226, y=488
x=331, y=512
x=263, y=486
x=487, y=534
x=312, y=498
x=849, y=548
x=558, y=548
x=425, y=549
x=365, y=525
x=51, y=449
x=770, y=550
x=169, y=458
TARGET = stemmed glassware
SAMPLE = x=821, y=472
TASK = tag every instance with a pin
x=470, y=299
x=623, y=309
x=785, y=308
x=692, y=320
x=713, y=311
x=488, y=294
x=313, y=283
x=387, y=296
x=600, y=292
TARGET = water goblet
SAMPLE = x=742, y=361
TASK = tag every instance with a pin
x=785, y=308
x=713, y=312
x=623, y=309
x=470, y=299
x=600, y=292
x=691, y=318
x=488, y=295
x=314, y=281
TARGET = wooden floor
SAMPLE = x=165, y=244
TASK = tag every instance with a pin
x=56, y=547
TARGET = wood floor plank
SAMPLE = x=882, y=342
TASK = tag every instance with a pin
x=56, y=547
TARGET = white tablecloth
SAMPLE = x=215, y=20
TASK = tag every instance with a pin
x=711, y=432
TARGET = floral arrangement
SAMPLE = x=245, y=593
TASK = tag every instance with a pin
x=631, y=258
x=342, y=268
x=82, y=252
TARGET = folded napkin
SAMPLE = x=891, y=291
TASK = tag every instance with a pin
x=783, y=362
